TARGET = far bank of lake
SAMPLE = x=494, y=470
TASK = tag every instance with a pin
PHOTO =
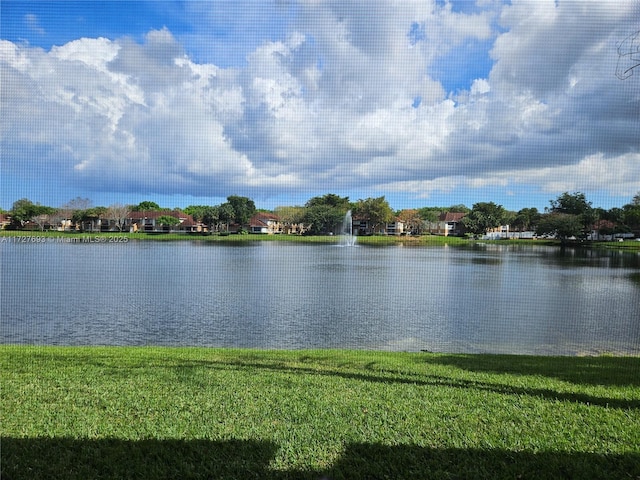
x=21, y=236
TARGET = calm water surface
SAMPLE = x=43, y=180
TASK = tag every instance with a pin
x=493, y=298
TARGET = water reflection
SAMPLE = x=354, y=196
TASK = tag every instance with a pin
x=488, y=298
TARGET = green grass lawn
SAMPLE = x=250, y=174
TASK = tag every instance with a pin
x=374, y=240
x=163, y=413
x=106, y=237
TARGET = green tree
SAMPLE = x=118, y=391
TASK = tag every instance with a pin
x=563, y=226
x=330, y=200
x=375, y=210
x=615, y=215
x=483, y=217
x=216, y=216
x=24, y=210
x=325, y=213
x=290, y=215
x=577, y=205
x=430, y=214
x=167, y=221
x=631, y=215
x=460, y=208
x=89, y=216
x=196, y=211
x=226, y=214
x=572, y=203
x=210, y=216
x=526, y=219
x=509, y=218
x=243, y=208
x=412, y=221
x=146, y=206
x=323, y=219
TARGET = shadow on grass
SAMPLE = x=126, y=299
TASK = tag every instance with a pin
x=54, y=458
x=372, y=461
x=585, y=371
x=67, y=458
x=612, y=371
x=416, y=379
x=580, y=371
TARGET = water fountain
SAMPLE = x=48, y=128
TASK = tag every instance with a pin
x=347, y=238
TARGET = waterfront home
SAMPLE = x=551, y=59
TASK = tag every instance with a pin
x=448, y=223
x=148, y=222
x=395, y=227
x=498, y=233
x=5, y=221
x=145, y=221
x=270, y=223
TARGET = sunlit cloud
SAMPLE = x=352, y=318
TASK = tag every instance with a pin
x=344, y=96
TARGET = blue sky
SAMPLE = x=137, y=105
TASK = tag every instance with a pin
x=428, y=103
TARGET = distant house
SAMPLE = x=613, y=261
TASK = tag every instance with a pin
x=396, y=227
x=605, y=230
x=5, y=220
x=448, y=224
x=362, y=226
x=146, y=221
x=65, y=224
x=265, y=223
x=269, y=223
x=499, y=232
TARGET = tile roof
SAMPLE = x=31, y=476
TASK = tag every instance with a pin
x=601, y=224
x=261, y=219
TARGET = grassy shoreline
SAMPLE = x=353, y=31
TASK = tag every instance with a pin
x=72, y=237
x=147, y=412
x=381, y=240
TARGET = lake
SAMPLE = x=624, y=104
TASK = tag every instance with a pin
x=486, y=298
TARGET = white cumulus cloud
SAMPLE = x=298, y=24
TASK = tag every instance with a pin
x=347, y=99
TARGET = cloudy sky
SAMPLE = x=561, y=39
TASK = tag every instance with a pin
x=426, y=102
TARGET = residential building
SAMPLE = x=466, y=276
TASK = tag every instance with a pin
x=5, y=220
x=499, y=232
x=395, y=227
x=448, y=223
x=269, y=223
x=146, y=221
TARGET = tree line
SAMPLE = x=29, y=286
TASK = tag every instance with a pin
x=80, y=211
x=570, y=215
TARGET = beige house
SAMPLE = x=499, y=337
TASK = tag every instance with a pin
x=395, y=228
x=5, y=221
x=448, y=223
x=146, y=222
x=362, y=226
x=269, y=223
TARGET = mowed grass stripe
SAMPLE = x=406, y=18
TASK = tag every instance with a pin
x=143, y=412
